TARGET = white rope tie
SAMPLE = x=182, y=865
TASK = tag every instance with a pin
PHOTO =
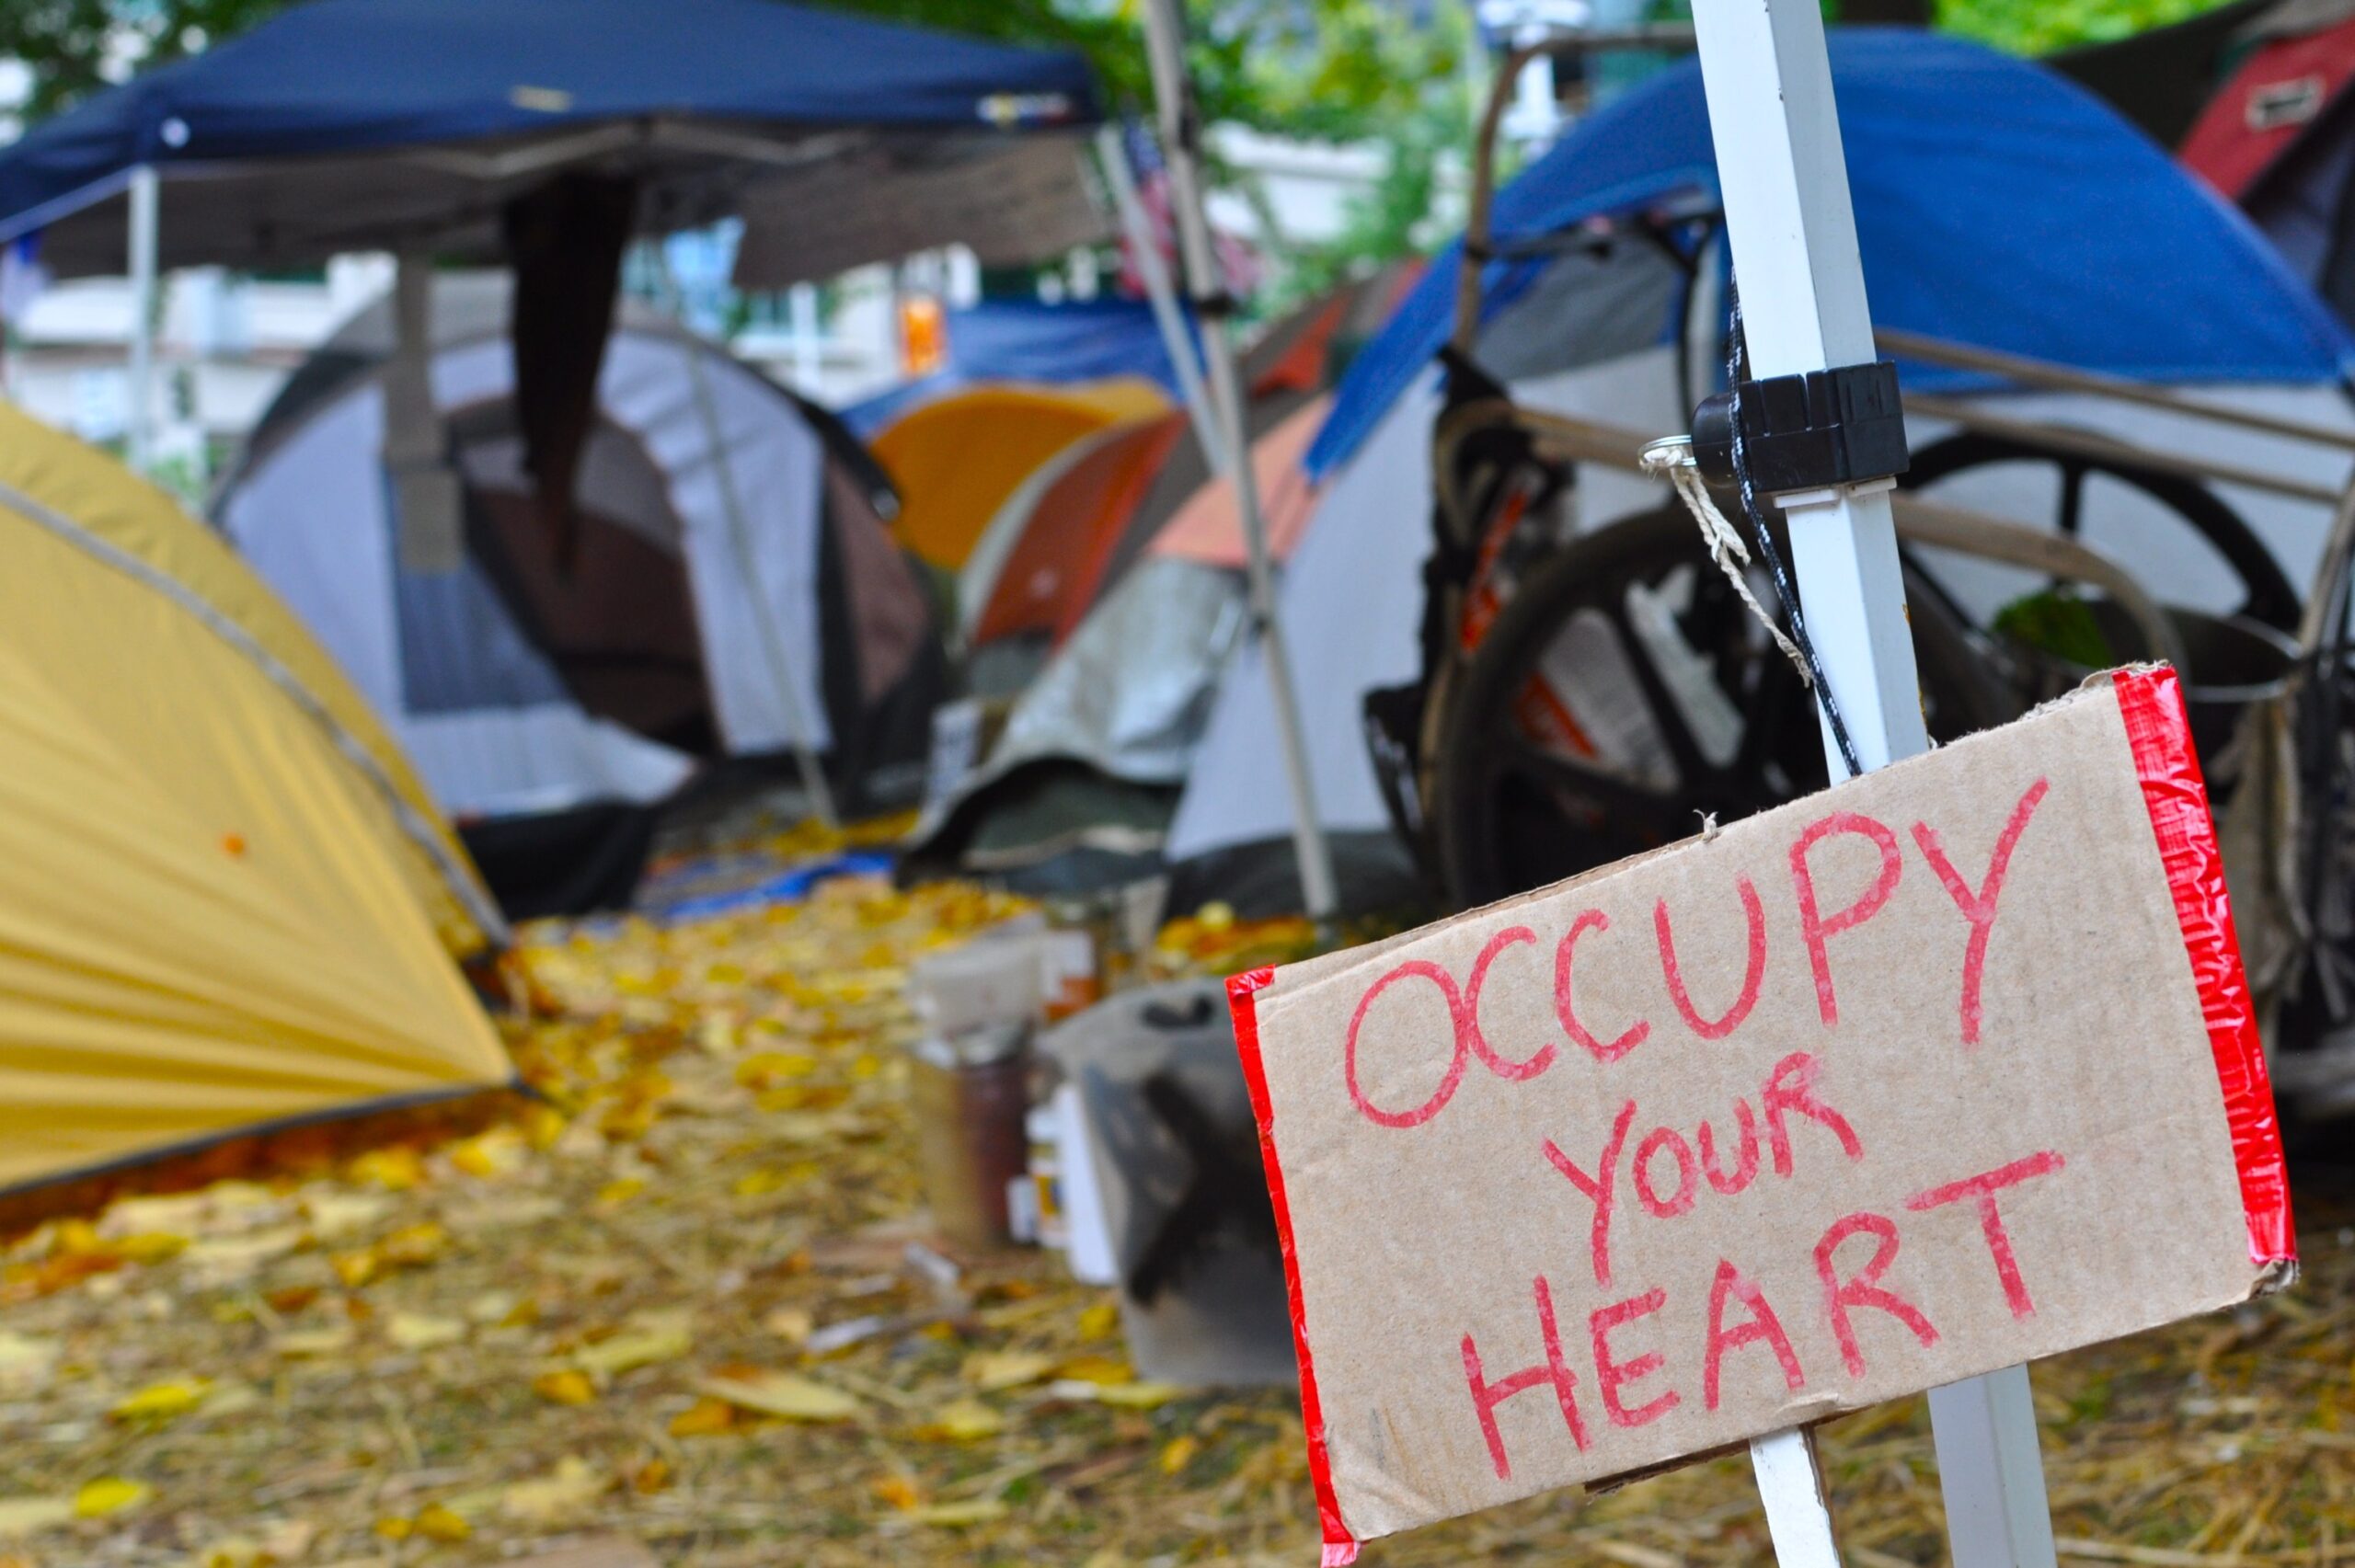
x=1672, y=460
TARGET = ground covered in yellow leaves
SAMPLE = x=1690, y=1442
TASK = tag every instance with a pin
x=683, y=1311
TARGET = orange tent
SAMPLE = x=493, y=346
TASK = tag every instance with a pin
x=957, y=460
x=1050, y=574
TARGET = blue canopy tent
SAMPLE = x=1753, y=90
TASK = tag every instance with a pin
x=1997, y=205
x=356, y=124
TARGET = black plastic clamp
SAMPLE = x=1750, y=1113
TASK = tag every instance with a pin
x=1813, y=431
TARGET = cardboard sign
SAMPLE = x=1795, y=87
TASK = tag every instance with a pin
x=1946, y=1069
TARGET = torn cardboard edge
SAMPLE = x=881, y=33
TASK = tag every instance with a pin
x=2175, y=795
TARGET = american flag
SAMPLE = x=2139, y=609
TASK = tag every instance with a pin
x=1238, y=263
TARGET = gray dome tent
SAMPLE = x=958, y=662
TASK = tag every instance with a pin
x=732, y=591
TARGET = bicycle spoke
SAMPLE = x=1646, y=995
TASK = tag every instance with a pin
x=1667, y=712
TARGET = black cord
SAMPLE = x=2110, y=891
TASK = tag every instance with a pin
x=1738, y=372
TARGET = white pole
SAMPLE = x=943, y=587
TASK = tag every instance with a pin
x=781, y=665
x=1793, y=234
x=1172, y=91
x=139, y=435
x=1112, y=153
x=807, y=366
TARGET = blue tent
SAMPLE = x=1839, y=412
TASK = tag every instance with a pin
x=345, y=124
x=1996, y=204
x=1027, y=340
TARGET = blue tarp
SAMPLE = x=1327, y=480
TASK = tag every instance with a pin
x=1027, y=340
x=345, y=75
x=1997, y=205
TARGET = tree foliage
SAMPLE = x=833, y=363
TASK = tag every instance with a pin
x=76, y=47
x=2041, y=27
x=1334, y=68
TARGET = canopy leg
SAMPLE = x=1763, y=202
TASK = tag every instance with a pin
x=139, y=433
x=1112, y=153
x=774, y=650
x=1173, y=90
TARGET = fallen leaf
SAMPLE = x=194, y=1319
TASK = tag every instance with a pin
x=301, y=1344
x=780, y=1393
x=612, y=1195
x=25, y=1359
x=567, y=1386
x=395, y=1170
x=650, y=1477
x=631, y=1349
x=289, y=1541
x=499, y=1152
x=705, y=1418
x=765, y=1069
x=957, y=1515
x=223, y=1259
x=162, y=1401
x=494, y=1306
x=337, y=1214
x=897, y=1490
x=22, y=1516
x=109, y=1494
x=151, y=1246
x=414, y=1246
x=435, y=1522
x=417, y=1331
x=1099, y=1369
x=1179, y=1452
x=355, y=1269
x=566, y=1490
x=994, y=1370
x=1099, y=1322
x=789, y=1323
x=962, y=1421
x=1138, y=1396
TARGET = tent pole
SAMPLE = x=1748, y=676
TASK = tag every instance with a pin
x=806, y=763
x=1180, y=131
x=1793, y=234
x=1112, y=153
x=139, y=431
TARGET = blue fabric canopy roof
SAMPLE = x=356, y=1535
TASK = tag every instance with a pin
x=1997, y=205
x=1030, y=340
x=343, y=76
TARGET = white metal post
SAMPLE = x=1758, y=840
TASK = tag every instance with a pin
x=1172, y=92
x=139, y=435
x=1793, y=234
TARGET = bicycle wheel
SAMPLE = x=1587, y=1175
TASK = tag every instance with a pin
x=1626, y=691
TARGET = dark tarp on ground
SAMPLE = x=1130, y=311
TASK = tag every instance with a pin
x=563, y=863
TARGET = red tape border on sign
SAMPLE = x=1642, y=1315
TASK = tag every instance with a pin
x=1341, y=1547
x=2150, y=702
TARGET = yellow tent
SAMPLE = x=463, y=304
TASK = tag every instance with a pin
x=955, y=460
x=230, y=906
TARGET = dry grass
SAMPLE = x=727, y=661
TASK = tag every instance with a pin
x=466, y=1352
